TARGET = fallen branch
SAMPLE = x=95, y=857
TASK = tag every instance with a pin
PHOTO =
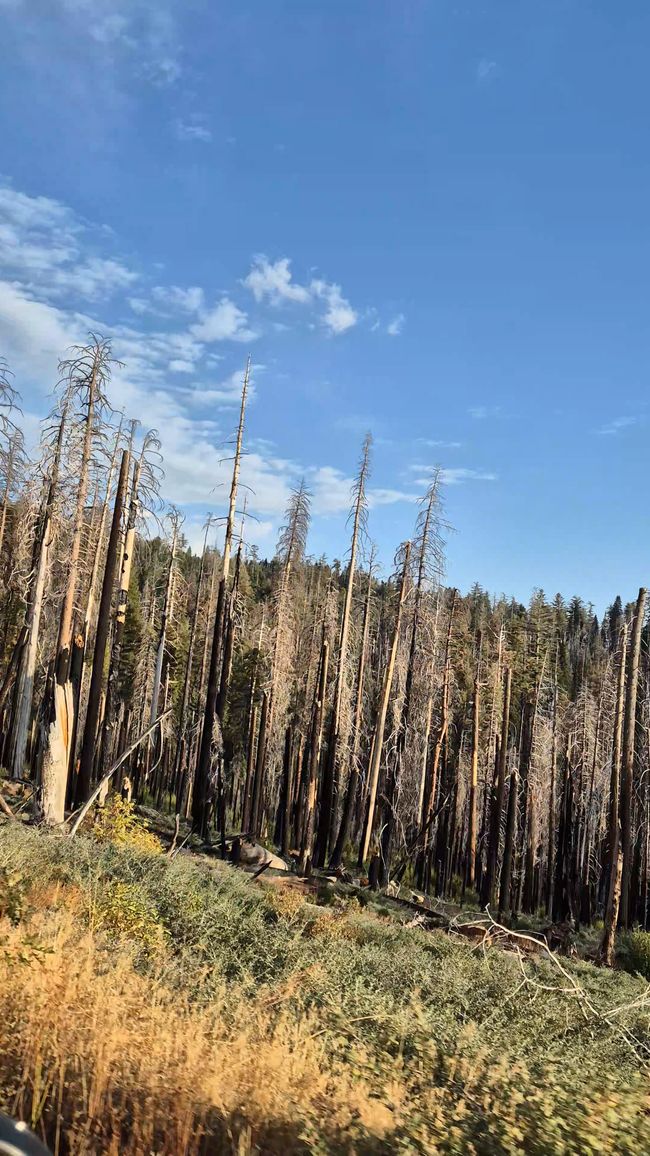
x=116, y=766
x=6, y=810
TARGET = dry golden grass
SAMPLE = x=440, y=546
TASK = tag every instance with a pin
x=115, y=1062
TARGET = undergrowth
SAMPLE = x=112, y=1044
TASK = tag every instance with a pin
x=174, y=1007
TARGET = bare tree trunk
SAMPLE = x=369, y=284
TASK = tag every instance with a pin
x=627, y=765
x=166, y=615
x=101, y=639
x=200, y=803
x=314, y=759
x=40, y=564
x=181, y=736
x=330, y=778
x=353, y=773
x=375, y=761
x=473, y=784
x=126, y=555
x=497, y=809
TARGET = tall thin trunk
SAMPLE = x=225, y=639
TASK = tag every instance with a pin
x=330, y=779
x=101, y=639
x=314, y=758
x=200, y=802
x=378, y=744
x=627, y=763
x=614, y=854
x=353, y=773
x=473, y=782
x=181, y=736
x=125, y=560
x=166, y=616
x=497, y=808
x=40, y=565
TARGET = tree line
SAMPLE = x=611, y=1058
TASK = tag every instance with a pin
x=467, y=745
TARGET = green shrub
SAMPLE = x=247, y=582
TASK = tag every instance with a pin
x=635, y=953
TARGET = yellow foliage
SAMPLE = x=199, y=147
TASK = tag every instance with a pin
x=116, y=822
x=121, y=910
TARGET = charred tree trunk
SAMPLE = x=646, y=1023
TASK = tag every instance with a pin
x=87, y=757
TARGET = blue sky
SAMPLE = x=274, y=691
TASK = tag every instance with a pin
x=421, y=217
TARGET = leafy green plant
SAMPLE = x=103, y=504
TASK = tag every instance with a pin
x=635, y=952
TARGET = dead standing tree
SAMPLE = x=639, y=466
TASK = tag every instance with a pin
x=329, y=791
x=85, y=377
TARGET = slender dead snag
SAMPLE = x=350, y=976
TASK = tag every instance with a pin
x=200, y=803
x=497, y=808
x=168, y=609
x=127, y=553
x=375, y=761
x=473, y=784
x=550, y=864
x=181, y=737
x=34, y=608
x=330, y=779
x=88, y=747
x=627, y=761
x=353, y=773
x=314, y=759
x=423, y=836
x=614, y=864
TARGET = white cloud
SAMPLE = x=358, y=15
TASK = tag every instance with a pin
x=225, y=322
x=188, y=300
x=395, y=327
x=339, y=315
x=273, y=281
x=227, y=392
x=440, y=444
x=191, y=130
x=35, y=334
x=617, y=426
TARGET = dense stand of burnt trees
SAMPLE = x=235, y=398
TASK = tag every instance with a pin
x=468, y=745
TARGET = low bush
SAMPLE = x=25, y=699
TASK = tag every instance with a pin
x=635, y=953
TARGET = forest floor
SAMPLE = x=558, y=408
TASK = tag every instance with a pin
x=163, y=1005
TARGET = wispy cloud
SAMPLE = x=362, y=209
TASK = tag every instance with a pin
x=454, y=476
x=482, y=412
x=395, y=327
x=617, y=426
x=191, y=130
x=486, y=70
x=440, y=444
x=273, y=281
